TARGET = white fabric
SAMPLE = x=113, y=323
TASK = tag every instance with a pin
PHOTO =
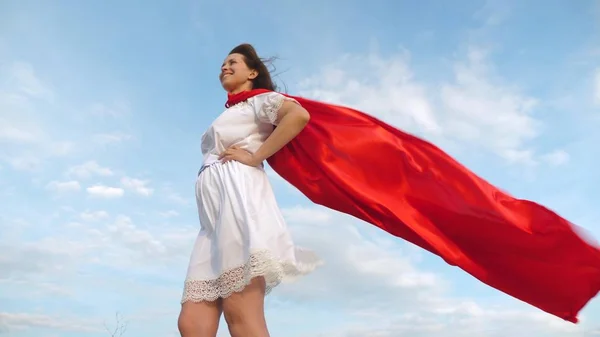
x=243, y=234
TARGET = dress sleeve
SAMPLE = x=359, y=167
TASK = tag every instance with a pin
x=267, y=106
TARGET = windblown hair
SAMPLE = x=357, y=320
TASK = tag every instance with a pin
x=253, y=61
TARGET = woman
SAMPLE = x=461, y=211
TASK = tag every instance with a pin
x=351, y=162
x=244, y=248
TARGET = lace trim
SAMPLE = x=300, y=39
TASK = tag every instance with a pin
x=260, y=263
x=272, y=104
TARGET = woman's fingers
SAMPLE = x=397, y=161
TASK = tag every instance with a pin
x=230, y=150
x=228, y=157
x=225, y=153
x=231, y=153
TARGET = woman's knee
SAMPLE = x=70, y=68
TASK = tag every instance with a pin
x=243, y=321
x=246, y=309
x=198, y=322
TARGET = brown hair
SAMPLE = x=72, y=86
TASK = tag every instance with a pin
x=253, y=61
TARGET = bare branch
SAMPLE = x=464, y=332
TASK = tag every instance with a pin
x=120, y=326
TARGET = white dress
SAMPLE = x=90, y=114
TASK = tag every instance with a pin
x=242, y=231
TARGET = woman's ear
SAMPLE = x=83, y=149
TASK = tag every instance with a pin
x=253, y=74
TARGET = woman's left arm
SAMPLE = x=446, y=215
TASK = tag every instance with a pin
x=291, y=119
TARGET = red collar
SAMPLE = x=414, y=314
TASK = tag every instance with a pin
x=242, y=96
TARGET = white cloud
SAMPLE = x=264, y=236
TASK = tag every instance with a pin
x=119, y=243
x=63, y=186
x=301, y=214
x=556, y=158
x=22, y=76
x=24, y=162
x=117, y=109
x=382, y=87
x=178, y=199
x=89, y=169
x=493, y=12
x=26, y=142
x=169, y=214
x=143, y=241
x=478, y=109
x=129, y=244
x=171, y=195
x=357, y=258
x=94, y=216
x=10, y=322
x=37, y=289
x=105, y=191
x=138, y=186
x=482, y=111
x=19, y=91
x=60, y=148
x=11, y=133
x=48, y=256
x=111, y=138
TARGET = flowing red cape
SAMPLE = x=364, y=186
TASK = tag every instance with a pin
x=353, y=163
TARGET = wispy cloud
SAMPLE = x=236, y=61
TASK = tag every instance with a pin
x=117, y=109
x=94, y=216
x=19, y=321
x=484, y=111
x=138, y=186
x=477, y=109
x=111, y=138
x=22, y=76
x=556, y=158
x=12, y=134
x=88, y=169
x=63, y=186
x=26, y=141
x=103, y=191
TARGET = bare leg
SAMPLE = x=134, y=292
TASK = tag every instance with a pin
x=245, y=311
x=199, y=319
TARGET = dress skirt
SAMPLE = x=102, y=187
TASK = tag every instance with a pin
x=243, y=235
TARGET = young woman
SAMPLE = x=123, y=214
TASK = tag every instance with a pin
x=243, y=249
x=351, y=162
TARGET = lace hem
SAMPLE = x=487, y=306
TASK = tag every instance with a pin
x=260, y=263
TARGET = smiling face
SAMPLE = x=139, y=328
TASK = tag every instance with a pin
x=235, y=74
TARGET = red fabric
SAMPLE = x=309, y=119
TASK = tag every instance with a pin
x=351, y=162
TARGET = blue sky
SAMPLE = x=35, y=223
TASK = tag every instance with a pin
x=102, y=105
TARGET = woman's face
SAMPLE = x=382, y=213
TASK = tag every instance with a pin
x=235, y=74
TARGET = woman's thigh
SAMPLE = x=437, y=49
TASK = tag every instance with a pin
x=244, y=311
x=200, y=318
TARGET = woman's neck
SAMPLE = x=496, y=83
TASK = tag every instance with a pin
x=241, y=88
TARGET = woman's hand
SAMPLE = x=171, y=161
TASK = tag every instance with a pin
x=240, y=155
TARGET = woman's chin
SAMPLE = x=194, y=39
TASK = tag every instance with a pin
x=228, y=85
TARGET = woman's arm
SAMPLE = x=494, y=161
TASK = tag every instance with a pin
x=291, y=119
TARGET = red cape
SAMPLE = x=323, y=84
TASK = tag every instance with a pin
x=353, y=163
